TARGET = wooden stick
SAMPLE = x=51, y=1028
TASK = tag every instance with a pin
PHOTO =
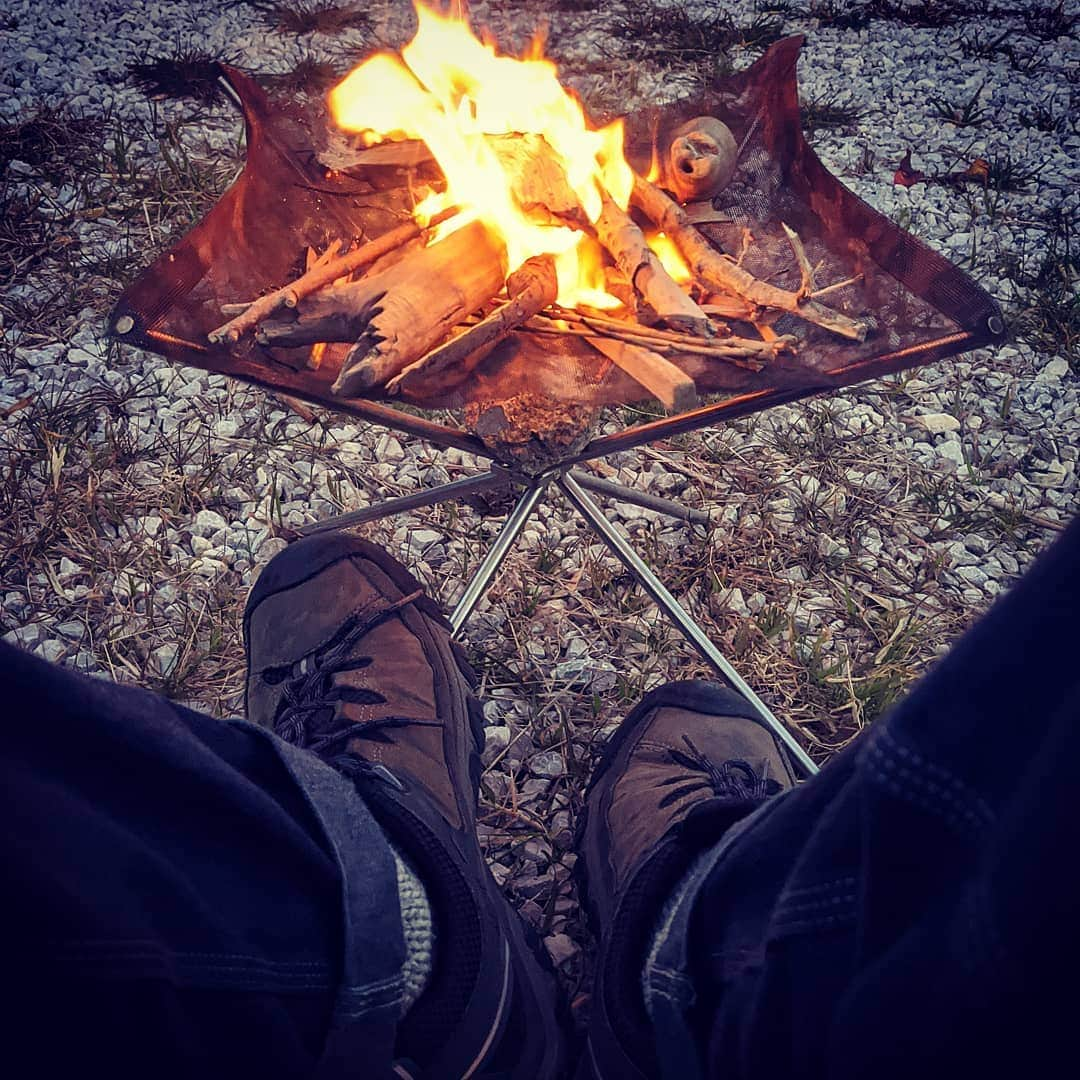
x=341, y=327
x=717, y=272
x=660, y=377
x=729, y=307
x=326, y=270
x=836, y=286
x=738, y=357
x=419, y=302
x=729, y=344
x=627, y=245
x=806, y=271
x=530, y=288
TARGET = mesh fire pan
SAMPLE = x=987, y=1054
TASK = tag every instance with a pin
x=299, y=189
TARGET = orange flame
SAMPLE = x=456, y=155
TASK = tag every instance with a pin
x=453, y=91
x=663, y=247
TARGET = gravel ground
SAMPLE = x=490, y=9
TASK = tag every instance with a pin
x=852, y=538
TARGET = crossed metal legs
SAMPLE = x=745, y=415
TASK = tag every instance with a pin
x=573, y=484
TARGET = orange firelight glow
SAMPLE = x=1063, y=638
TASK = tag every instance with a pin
x=454, y=91
x=670, y=257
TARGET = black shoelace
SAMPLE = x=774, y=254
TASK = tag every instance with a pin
x=309, y=696
x=733, y=780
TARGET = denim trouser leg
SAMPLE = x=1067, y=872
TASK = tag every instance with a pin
x=913, y=909
x=184, y=896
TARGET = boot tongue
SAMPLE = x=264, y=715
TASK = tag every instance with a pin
x=293, y=627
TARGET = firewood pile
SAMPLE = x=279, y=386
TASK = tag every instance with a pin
x=428, y=301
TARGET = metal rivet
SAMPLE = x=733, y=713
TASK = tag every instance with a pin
x=124, y=324
x=995, y=324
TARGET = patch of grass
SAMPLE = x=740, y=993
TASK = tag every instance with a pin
x=24, y=234
x=961, y=113
x=866, y=161
x=186, y=73
x=841, y=14
x=1007, y=174
x=678, y=35
x=856, y=14
x=313, y=17
x=310, y=76
x=828, y=112
x=976, y=44
x=53, y=135
x=1048, y=22
x=1053, y=118
x=1050, y=303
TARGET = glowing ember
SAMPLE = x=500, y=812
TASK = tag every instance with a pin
x=456, y=93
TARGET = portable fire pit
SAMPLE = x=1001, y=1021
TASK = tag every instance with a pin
x=436, y=236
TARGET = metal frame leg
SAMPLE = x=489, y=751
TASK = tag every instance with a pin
x=487, y=569
x=640, y=498
x=667, y=603
x=456, y=489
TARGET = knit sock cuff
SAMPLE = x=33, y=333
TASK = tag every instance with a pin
x=418, y=929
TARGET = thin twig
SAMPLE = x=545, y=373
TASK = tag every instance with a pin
x=326, y=270
x=671, y=338
x=806, y=271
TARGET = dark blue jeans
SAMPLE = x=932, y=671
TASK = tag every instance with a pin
x=183, y=896
x=914, y=909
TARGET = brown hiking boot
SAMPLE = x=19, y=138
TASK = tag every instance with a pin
x=689, y=761
x=349, y=659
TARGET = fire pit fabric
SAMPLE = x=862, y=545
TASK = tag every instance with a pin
x=298, y=190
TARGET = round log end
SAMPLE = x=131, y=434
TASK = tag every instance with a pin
x=702, y=159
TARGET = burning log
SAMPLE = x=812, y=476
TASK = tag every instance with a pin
x=411, y=307
x=397, y=315
x=717, y=272
x=531, y=288
x=537, y=179
x=324, y=271
x=627, y=245
x=660, y=377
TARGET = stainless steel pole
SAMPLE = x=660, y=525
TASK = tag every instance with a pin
x=667, y=603
x=640, y=498
x=494, y=558
x=428, y=497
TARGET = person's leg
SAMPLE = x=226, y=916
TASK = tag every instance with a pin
x=348, y=659
x=189, y=896
x=910, y=909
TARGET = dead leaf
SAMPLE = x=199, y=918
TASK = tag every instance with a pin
x=905, y=175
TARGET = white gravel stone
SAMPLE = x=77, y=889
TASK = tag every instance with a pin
x=561, y=948
x=548, y=764
x=937, y=423
x=25, y=636
x=165, y=658
x=207, y=523
x=951, y=452
x=52, y=650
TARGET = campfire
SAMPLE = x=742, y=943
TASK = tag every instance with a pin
x=537, y=225
x=450, y=231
